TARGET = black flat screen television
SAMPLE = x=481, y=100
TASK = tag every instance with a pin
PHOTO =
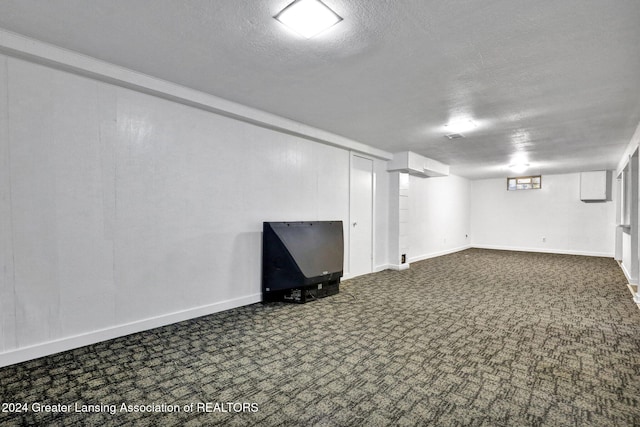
x=301, y=256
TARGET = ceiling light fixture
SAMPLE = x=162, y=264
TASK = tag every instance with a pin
x=308, y=17
x=519, y=167
x=460, y=126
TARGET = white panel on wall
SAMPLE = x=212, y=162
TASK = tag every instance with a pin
x=551, y=219
x=33, y=203
x=7, y=302
x=194, y=189
x=169, y=246
x=593, y=186
x=439, y=216
x=63, y=264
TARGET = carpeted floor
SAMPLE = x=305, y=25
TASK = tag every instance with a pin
x=477, y=338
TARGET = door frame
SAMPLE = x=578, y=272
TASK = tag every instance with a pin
x=353, y=154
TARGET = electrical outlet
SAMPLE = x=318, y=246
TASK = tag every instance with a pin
x=403, y=259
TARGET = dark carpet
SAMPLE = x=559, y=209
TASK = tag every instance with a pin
x=476, y=338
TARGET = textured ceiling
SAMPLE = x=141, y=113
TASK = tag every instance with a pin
x=554, y=81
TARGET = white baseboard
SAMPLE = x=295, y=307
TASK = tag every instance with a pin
x=399, y=267
x=51, y=347
x=382, y=267
x=376, y=269
x=626, y=274
x=437, y=254
x=543, y=250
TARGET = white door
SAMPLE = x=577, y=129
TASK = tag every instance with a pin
x=361, y=216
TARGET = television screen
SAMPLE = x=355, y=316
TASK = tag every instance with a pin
x=299, y=254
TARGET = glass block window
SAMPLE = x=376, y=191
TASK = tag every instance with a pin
x=524, y=183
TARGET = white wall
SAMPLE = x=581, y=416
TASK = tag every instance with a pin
x=123, y=211
x=7, y=303
x=439, y=216
x=518, y=220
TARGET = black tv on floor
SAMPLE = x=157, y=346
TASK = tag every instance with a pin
x=301, y=260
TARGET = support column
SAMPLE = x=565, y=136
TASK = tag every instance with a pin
x=619, y=221
x=399, y=221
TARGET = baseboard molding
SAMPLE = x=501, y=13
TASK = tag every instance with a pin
x=546, y=251
x=398, y=267
x=627, y=275
x=382, y=267
x=376, y=269
x=69, y=343
x=437, y=254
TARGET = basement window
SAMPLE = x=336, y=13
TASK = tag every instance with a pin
x=524, y=183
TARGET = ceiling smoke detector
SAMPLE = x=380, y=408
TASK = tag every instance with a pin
x=455, y=136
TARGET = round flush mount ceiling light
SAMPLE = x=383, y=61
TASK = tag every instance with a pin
x=308, y=17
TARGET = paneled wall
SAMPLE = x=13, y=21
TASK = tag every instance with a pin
x=7, y=300
x=122, y=211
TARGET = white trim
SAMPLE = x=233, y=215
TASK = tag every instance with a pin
x=48, y=348
x=382, y=267
x=626, y=274
x=437, y=254
x=629, y=150
x=546, y=251
x=399, y=267
x=374, y=219
x=347, y=274
x=29, y=49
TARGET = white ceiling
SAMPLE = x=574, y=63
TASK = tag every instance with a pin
x=557, y=80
